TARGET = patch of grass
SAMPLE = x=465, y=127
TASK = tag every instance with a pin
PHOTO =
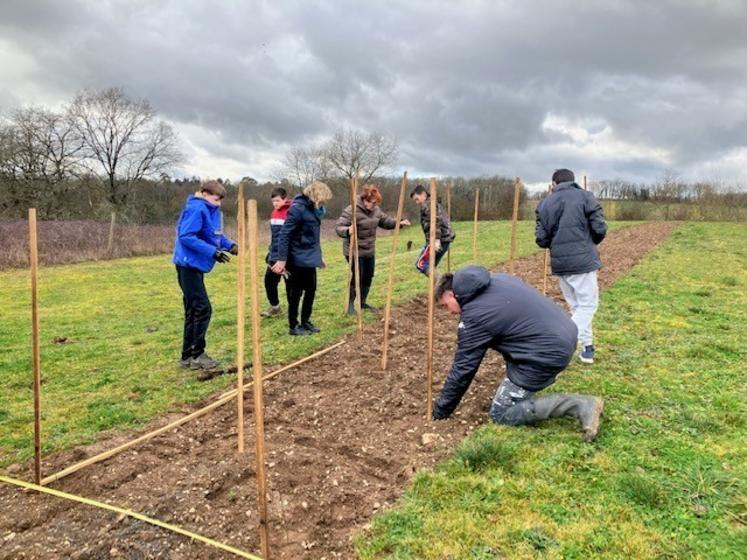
x=667, y=478
x=123, y=320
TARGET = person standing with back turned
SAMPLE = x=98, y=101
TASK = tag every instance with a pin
x=570, y=223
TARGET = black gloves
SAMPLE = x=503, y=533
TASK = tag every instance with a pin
x=222, y=256
x=234, y=250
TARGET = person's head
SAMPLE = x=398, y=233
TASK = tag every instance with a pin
x=278, y=196
x=318, y=192
x=444, y=294
x=563, y=176
x=419, y=194
x=213, y=192
x=371, y=196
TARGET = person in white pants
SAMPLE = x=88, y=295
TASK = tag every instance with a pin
x=570, y=223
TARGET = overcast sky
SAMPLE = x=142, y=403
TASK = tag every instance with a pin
x=611, y=88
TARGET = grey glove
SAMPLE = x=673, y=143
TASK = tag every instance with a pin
x=222, y=256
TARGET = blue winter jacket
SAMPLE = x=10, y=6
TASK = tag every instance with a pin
x=533, y=334
x=199, y=235
x=299, y=239
x=570, y=223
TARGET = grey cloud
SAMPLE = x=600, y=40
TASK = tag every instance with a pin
x=465, y=86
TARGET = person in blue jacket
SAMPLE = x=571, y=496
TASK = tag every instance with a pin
x=200, y=243
x=533, y=334
x=299, y=254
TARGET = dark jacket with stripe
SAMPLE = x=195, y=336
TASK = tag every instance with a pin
x=570, y=223
x=444, y=231
x=299, y=241
x=367, y=224
x=535, y=336
x=277, y=219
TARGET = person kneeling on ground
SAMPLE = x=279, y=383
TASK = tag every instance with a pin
x=299, y=254
x=280, y=205
x=369, y=218
x=535, y=337
x=200, y=243
x=444, y=232
x=570, y=223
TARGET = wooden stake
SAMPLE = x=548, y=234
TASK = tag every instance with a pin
x=448, y=211
x=259, y=406
x=474, y=227
x=223, y=399
x=390, y=282
x=35, y=349
x=514, y=219
x=354, y=254
x=240, y=314
x=110, y=242
x=546, y=259
x=585, y=183
x=431, y=292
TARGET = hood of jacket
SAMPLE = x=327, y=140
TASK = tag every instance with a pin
x=566, y=185
x=196, y=201
x=469, y=282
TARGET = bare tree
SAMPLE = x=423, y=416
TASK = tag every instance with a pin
x=302, y=165
x=351, y=152
x=123, y=140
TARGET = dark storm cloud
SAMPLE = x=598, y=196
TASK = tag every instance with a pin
x=629, y=89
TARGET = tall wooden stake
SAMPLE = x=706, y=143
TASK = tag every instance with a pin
x=36, y=353
x=259, y=405
x=354, y=254
x=431, y=303
x=585, y=183
x=514, y=219
x=240, y=314
x=390, y=283
x=474, y=227
x=546, y=259
x=448, y=211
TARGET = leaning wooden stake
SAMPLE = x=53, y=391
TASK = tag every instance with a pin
x=36, y=354
x=390, y=282
x=259, y=406
x=240, y=314
x=546, y=259
x=354, y=254
x=223, y=399
x=514, y=219
x=431, y=292
x=474, y=227
x=448, y=212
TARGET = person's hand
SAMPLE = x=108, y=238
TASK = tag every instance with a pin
x=438, y=245
x=234, y=250
x=404, y=223
x=350, y=231
x=278, y=267
x=324, y=264
x=222, y=256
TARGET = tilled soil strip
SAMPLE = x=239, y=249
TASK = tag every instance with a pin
x=343, y=440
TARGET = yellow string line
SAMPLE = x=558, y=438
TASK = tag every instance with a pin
x=138, y=516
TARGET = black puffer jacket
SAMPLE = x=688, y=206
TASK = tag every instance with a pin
x=535, y=336
x=367, y=224
x=570, y=223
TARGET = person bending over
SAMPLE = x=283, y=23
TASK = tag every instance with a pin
x=535, y=337
x=444, y=232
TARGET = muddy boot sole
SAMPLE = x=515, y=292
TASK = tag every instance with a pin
x=592, y=430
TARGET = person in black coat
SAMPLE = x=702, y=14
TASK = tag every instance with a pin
x=570, y=223
x=533, y=334
x=299, y=254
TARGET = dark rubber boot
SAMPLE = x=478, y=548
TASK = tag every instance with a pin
x=587, y=409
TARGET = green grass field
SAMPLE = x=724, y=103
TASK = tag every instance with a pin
x=123, y=319
x=667, y=478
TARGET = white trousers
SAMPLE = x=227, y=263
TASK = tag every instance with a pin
x=581, y=292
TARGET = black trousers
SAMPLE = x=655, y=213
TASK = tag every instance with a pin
x=367, y=266
x=197, y=311
x=272, y=281
x=300, y=283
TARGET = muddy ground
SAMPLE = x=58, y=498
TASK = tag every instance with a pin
x=343, y=440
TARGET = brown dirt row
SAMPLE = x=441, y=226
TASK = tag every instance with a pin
x=343, y=440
